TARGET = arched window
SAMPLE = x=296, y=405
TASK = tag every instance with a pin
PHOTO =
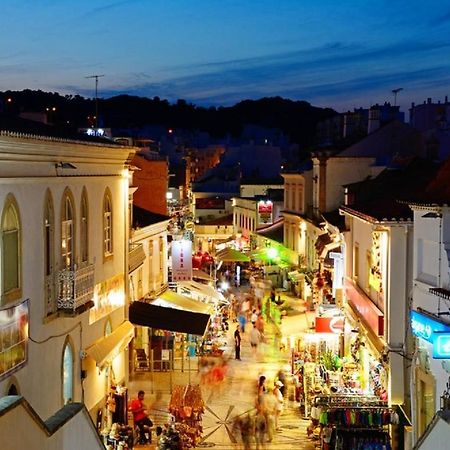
x=108, y=327
x=107, y=225
x=67, y=373
x=49, y=227
x=67, y=231
x=10, y=251
x=13, y=390
x=84, y=235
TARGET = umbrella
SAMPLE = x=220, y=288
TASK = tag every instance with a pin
x=230, y=255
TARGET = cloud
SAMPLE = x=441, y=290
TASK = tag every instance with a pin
x=442, y=19
x=108, y=7
x=332, y=72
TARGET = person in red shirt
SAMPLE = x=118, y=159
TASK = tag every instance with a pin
x=140, y=416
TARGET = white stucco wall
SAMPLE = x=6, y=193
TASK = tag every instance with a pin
x=96, y=168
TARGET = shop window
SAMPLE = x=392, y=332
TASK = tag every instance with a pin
x=13, y=390
x=67, y=231
x=10, y=251
x=49, y=232
x=68, y=371
x=84, y=235
x=108, y=328
x=107, y=225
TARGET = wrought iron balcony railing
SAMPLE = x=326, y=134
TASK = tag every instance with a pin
x=76, y=288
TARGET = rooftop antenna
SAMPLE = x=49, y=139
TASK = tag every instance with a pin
x=395, y=92
x=96, y=96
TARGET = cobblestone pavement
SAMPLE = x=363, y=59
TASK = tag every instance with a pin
x=234, y=397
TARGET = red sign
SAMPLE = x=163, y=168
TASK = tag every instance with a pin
x=330, y=324
x=362, y=305
x=265, y=211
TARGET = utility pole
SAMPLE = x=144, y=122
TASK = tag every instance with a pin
x=96, y=96
x=395, y=92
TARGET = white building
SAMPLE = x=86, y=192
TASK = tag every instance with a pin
x=64, y=257
x=430, y=322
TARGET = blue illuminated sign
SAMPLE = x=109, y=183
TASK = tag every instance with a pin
x=441, y=345
x=424, y=326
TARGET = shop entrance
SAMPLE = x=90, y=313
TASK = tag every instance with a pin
x=425, y=395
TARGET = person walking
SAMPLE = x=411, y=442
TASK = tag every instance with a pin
x=237, y=343
x=141, y=419
x=255, y=338
x=278, y=403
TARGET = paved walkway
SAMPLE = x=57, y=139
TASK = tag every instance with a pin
x=235, y=396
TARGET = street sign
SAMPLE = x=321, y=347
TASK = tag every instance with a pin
x=441, y=345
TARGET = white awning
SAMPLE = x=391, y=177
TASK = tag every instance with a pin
x=201, y=275
x=110, y=346
x=171, y=299
x=203, y=289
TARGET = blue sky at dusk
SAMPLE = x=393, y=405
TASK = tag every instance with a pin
x=342, y=54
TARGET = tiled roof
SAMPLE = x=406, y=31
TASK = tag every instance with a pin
x=143, y=218
x=381, y=198
x=391, y=141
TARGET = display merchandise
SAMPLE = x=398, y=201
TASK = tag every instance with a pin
x=187, y=406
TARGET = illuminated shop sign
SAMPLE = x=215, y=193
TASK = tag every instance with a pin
x=330, y=324
x=181, y=260
x=96, y=132
x=13, y=338
x=265, y=211
x=424, y=326
x=441, y=345
x=108, y=296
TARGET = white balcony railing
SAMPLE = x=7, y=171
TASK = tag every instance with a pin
x=75, y=287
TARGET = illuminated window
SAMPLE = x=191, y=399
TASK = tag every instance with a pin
x=67, y=232
x=68, y=369
x=84, y=236
x=10, y=251
x=107, y=225
x=49, y=227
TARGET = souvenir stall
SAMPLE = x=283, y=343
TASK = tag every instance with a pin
x=352, y=421
x=186, y=406
x=115, y=432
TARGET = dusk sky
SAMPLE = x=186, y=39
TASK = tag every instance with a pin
x=342, y=54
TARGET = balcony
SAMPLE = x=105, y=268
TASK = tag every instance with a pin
x=76, y=289
x=136, y=257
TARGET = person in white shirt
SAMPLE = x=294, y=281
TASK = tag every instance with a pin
x=278, y=404
x=255, y=338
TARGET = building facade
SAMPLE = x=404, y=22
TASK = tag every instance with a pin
x=62, y=290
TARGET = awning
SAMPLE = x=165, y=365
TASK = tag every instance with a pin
x=230, y=255
x=295, y=276
x=203, y=289
x=171, y=299
x=201, y=275
x=111, y=345
x=170, y=319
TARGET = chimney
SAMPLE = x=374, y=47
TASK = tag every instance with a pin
x=446, y=99
x=374, y=120
x=429, y=100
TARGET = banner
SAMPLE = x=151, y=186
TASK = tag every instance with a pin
x=181, y=260
x=108, y=296
x=13, y=338
x=265, y=211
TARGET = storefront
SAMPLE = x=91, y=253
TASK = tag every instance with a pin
x=109, y=355
x=167, y=330
x=433, y=348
